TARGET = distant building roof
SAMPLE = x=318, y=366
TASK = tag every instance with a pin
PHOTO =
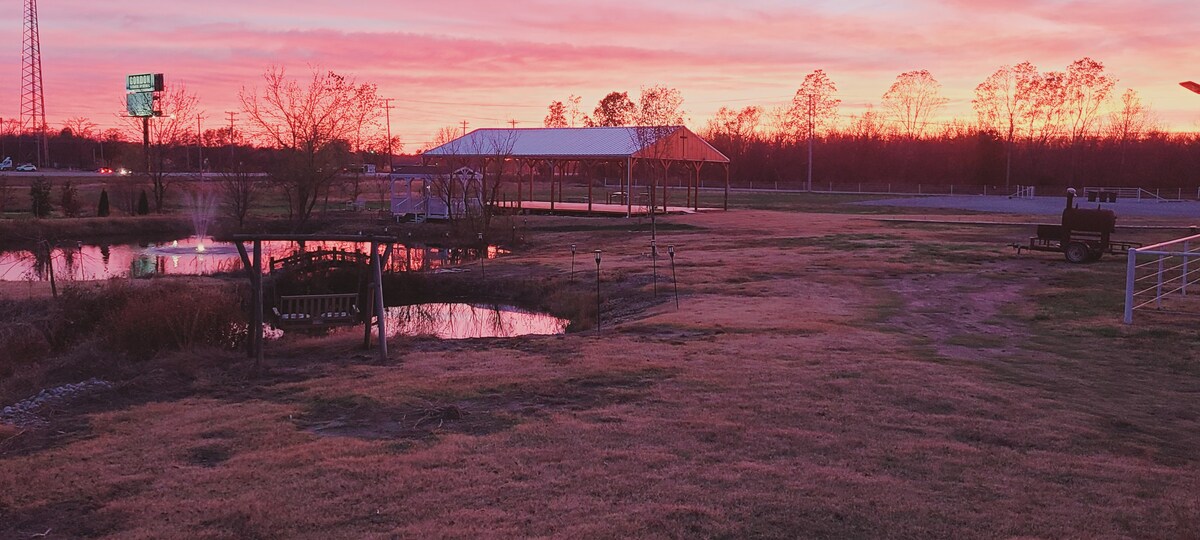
x=676, y=143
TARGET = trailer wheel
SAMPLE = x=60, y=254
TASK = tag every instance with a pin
x=1077, y=252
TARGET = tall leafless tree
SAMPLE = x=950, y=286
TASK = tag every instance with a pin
x=814, y=108
x=912, y=101
x=310, y=124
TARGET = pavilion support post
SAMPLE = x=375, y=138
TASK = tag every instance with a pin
x=520, y=171
x=553, y=168
x=652, y=183
x=628, y=187
x=666, y=179
x=589, y=182
x=380, y=311
x=726, y=186
x=696, y=191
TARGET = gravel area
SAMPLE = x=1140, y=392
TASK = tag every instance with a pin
x=28, y=412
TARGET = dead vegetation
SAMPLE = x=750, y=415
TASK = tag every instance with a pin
x=826, y=376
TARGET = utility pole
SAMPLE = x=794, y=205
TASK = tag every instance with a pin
x=199, y=146
x=33, y=102
x=512, y=122
x=387, y=111
x=464, y=126
x=230, y=139
x=811, y=128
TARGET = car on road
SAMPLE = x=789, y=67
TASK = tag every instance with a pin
x=27, y=167
x=6, y=164
x=104, y=170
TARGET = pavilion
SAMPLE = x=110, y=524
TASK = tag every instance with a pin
x=657, y=149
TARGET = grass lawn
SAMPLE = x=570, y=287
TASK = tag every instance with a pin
x=826, y=375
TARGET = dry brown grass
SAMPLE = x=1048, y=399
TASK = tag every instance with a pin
x=827, y=376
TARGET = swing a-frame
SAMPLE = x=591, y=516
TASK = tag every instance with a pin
x=315, y=311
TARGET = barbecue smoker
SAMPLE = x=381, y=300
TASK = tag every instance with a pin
x=1084, y=235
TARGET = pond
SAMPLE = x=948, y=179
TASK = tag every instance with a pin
x=464, y=321
x=458, y=321
x=201, y=256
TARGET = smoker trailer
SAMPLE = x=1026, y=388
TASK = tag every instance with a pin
x=1084, y=235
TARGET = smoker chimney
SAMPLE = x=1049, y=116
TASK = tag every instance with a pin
x=1070, y=197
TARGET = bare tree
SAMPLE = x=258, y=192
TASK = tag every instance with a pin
x=161, y=133
x=557, y=118
x=912, y=101
x=660, y=113
x=614, y=109
x=1047, y=94
x=81, y=127
x=575, y=117
x=240, y=192
x=1087, y=90
x=1130, y=123
x=867, y=126
x=1002, y=103
x=737, y=127
x=814, y=108
x=310, y=124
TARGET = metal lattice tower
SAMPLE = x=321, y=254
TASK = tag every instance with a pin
x=33, y=105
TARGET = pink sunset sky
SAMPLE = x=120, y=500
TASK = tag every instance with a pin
x=487, y=62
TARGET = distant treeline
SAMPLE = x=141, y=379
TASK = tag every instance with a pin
x=965, y=157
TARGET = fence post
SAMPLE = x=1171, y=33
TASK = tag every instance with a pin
x=1130, y=271
x=1158, y=288
x=1186, y=250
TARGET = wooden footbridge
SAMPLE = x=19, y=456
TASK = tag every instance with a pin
x=321, y=258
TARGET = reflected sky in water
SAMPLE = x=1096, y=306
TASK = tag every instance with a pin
x=463, y=321
x=192, y=256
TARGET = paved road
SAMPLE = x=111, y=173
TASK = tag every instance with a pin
x=1048, y=206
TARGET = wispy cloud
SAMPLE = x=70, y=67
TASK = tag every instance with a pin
x=508, y=60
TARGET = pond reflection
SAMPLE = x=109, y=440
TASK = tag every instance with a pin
x=202, y=256
x=463, y=321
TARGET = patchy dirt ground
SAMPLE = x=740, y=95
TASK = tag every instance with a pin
x=824, y=376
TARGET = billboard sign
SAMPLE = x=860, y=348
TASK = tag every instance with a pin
x=144, y=82
x=140, y=104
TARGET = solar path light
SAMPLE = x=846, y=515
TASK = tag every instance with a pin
x=572, y=262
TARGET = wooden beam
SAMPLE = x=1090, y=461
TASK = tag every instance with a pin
x=726, y=186
x=380, y=310
x=257, y=289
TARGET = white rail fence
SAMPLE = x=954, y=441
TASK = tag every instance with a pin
x=1024, y=192
x=1162, y=274
x=1130, y=193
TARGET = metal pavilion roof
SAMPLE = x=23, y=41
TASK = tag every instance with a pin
x=667, y=142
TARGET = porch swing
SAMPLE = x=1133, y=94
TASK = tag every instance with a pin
x=327, y=309
x=300, y=311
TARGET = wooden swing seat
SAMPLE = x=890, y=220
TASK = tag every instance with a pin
x=317, y=310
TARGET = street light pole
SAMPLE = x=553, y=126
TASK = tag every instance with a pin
x=572, y=262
